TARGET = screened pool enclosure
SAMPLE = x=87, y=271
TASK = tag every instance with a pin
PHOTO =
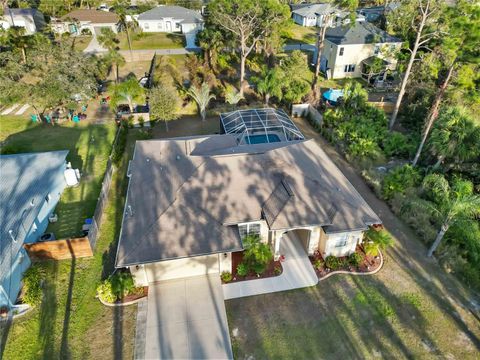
x=257, y=126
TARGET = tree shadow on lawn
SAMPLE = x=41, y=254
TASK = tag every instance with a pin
x=349, y=317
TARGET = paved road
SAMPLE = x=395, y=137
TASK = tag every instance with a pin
x=186, y=319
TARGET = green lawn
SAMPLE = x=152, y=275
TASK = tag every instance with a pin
x=145, y=41
x=71, y=323
x=89, y=147
x=81, y=42
x=301, y=35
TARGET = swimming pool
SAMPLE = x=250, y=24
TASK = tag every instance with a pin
x=261, y=139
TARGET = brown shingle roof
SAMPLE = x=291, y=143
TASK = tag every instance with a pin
x=186, y=193
x=94, y=16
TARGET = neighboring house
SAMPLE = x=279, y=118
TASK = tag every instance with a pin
x=165, y=18
x=93, y=20
x=351, y=51
x=314, y=14
x=30, y=19
x=30, y=188
x=191, y=200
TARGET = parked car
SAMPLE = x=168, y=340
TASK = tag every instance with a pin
x=47, y=237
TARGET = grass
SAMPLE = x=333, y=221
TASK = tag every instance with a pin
x=81, y=42
x=301, y=35
x=89, y=147
x=410, y=309
x=70, y=322
x=145, y=41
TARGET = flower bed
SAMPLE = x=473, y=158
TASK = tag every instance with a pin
x=358, y=262
x=129, y=299
x=273, y=268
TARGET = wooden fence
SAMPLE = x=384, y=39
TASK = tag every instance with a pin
x=60, y=249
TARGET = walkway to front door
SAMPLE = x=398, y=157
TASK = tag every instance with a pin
x=297, y=273
x=186, y=319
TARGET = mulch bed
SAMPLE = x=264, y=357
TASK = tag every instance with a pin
x=369, y=263
x=237, y=258
x=132, y=297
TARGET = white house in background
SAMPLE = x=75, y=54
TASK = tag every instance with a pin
x=93, y=20
x=350, y=50
x=314, y=14
x=170, y=19
x=206, y=193
x=30, y=19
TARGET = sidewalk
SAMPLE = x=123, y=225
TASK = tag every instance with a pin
x=297, y=273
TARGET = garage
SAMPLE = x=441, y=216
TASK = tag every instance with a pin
x=180, y=268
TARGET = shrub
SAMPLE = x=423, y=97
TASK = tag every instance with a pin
x=105, y=292
x=141, y=121
x=226, y=276
x=318, y=264
x=117, y=286
x=242, y=269
x=122, y=284
x=86, y=32
x=332, y=262
x=355, y=259
x=256, y=252
x=120, y=144
x=277, y=270
x=397, y=144
x=259, y=268
x=399, y=180
x=381, y=238
x=371, y=249
x=32, y=286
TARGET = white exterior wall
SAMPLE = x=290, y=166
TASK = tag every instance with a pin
x=178, y=268
x=353, y=54
x=352, y=239
x=300, y=20
x=161, y=25
x=27, y=23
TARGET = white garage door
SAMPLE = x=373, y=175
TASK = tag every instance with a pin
x=180, y=268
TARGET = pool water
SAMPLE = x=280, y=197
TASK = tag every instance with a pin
x=262, y=139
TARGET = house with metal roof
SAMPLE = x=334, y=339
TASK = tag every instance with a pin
x=359, y=50
x=172, y=18
x=206, y=193
x=30, y=188
x=31, y=20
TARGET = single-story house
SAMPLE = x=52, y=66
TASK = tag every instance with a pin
x=351, y=50
x=93, y=20
x=191, y=201
x=30, y=19
x=166, y=18
x=30, y=188
x=309, y=14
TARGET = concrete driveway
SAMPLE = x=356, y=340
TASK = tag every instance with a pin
x=186, y=319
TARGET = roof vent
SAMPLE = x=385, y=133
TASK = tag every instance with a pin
x=178, y=157
x=148, y=159
x=32, y=202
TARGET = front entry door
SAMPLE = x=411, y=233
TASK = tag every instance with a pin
x=169, y=26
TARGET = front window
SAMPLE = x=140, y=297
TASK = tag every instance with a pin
x=160, y=25
x=341, y=51
x=342, y=241
x=249, y=229
x=349, y=68
x=376, y=50
x=146, y=26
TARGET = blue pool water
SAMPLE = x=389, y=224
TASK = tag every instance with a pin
x=262, y=139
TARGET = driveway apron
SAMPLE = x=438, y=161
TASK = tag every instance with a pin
x=186, y=319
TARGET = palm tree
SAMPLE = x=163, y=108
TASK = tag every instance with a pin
x=270, y=84
x=116, y=60
x=128, y=91
x=455, y=136
x=18, y=39
x=202, y=97
x=124, y=24
x=108, y=39
x=233, y=96
x=452, y=203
